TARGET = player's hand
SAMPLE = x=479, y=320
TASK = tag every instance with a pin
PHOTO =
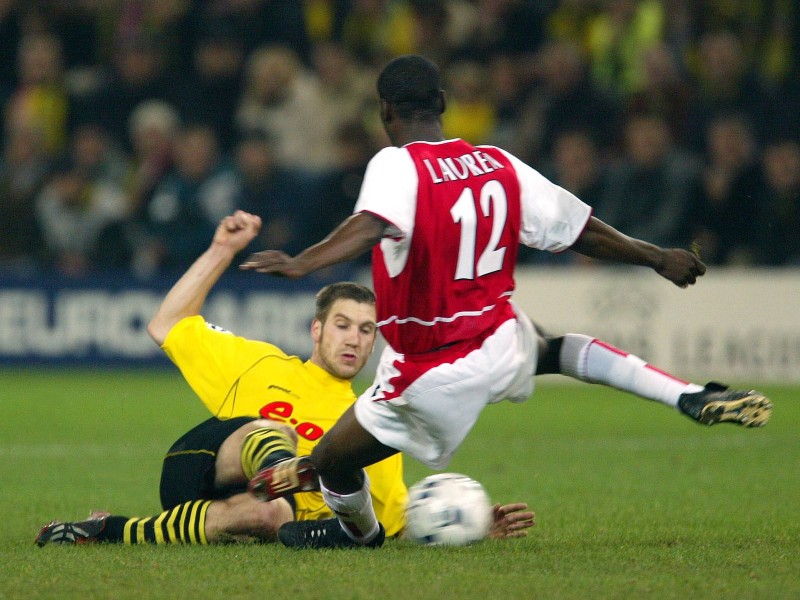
x=273, y=262
x=681, y=267
x=237, y=230
x=511, y=521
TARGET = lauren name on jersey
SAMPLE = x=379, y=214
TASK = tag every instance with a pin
x=460, y=167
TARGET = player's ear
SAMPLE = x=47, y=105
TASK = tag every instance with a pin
x=316, y=330
x=387, y=112
x=443, y=101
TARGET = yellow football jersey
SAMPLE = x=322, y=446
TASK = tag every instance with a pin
x=237, y=377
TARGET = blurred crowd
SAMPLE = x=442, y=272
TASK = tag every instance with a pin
x=130, y=127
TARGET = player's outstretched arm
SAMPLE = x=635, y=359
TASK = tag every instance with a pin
x=603, y=242
x=187, y=296
x=349, y=240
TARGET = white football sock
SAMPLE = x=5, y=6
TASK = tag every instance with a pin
x=594, y=361
x=354, y=512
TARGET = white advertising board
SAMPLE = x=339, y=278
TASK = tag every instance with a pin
x=732, y=326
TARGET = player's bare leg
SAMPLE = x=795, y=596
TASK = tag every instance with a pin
x=244, y=517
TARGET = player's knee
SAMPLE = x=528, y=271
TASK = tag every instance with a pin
x=228, y=464
x=266, y=423
x=549, y=355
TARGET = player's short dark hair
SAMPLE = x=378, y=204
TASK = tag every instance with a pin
x=342, y=290
x=412, y=85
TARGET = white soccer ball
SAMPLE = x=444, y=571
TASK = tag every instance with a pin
x=448, y=509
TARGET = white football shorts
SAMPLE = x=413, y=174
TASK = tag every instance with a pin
x=431, y=417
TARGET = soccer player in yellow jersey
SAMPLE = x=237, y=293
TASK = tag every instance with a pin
x=267, y=406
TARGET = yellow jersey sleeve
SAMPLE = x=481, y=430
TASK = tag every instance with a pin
x=212, y=360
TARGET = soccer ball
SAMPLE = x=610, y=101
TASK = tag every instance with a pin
x=448, y=509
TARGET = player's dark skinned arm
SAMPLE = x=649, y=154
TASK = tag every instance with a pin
x=351, y=239
x=603, y=242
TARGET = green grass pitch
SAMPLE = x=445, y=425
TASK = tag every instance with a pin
x=632, y=501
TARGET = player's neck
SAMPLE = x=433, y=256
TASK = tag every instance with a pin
x=418, y=131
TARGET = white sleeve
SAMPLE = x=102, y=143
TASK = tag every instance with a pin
x=552, y=217
x=389, y=190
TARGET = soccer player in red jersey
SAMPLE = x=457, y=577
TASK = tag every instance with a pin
x=444, y=220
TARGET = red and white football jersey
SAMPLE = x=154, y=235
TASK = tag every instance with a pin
x=445, y=271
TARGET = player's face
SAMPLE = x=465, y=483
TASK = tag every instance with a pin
x=343, y=343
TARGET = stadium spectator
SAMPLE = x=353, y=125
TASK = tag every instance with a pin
x=205, y=473
x=439, y=27
x=24, y=168
x=152, y=129
x=512, y=27
x=618, y=38
x=10, y=35
x=339, y=187
x=346, y=95
x=728, y=192
x=283, y=98
x=97, y=154
x=470, y=113
x=93, y=62
x=778, y=200
x=565, y=98
x=648, y=194
x=41, y=99
x=172, y=22
x=190, y=200
x=208, y=91
x=375, y=29
x=765, y=30
x=443, y=220
x=725, y=83
x=324, y=19
x=577, y=167
x=508, y=92
x=344, y=84
x=571, y=20
x=72, y=211
x=137, y=74
x=258, y=23
x=74, y=24
x=664, y=91
x=124, y=244
x=286, y=199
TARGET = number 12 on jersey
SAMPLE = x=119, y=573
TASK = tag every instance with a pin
x=493, y=203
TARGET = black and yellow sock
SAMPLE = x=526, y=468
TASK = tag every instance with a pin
x=263, y=448
x=183, y=524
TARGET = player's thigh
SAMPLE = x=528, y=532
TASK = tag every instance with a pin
x=189, y=467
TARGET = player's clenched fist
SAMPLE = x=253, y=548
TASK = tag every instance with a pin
x=681, y=267
x=237, y=230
